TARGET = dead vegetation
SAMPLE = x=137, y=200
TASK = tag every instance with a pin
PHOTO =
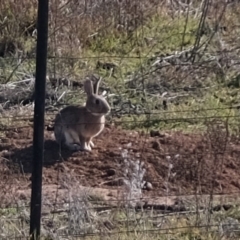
x=169, y=68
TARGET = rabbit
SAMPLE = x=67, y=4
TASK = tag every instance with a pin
x=76, y=126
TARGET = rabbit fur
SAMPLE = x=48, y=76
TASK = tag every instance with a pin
x=76, y=126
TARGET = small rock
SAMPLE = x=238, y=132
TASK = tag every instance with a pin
x=129, y=145
x=148, y=186
x=50, y=128
x=5, y=153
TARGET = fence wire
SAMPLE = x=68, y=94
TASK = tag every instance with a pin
x=167, y=163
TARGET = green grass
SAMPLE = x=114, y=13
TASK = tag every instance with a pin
x=133, y=52
x=197, y=95
x=191, y=115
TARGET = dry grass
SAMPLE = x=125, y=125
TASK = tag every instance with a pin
x=157, y=58
x=81, y=214
x=143, y=49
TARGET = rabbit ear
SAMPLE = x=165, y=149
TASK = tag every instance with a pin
x=96, y=86
x=88, y=87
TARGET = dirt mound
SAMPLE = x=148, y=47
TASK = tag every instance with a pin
x=176, y=163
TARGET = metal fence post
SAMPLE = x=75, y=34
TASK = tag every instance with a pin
x=38, y=135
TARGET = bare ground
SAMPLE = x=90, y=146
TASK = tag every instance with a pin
x=176, y=163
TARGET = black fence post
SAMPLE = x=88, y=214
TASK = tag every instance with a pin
x=38, y=135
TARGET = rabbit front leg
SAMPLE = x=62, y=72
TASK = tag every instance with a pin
x=91, y=144
x=84, y=144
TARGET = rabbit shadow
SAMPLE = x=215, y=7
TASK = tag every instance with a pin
x=22, y=158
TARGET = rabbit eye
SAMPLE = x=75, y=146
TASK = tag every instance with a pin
x=97, y=101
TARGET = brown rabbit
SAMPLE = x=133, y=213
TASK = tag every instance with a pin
x=76, y=126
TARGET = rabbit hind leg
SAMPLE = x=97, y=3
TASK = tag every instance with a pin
x=72, y=140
